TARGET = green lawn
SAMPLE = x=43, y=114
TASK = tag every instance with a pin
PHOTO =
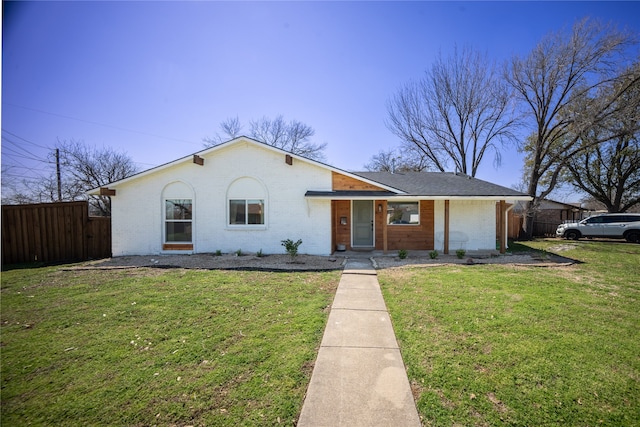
x=159, y=347
x=484, y=344
x=492, y=345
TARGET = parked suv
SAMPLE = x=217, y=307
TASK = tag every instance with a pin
x=616, y=226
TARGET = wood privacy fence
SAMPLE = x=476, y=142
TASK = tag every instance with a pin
x=53, y=232
x=514, y=224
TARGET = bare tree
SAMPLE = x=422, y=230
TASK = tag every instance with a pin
x=85, y=167
x=229, y=129
x=460, y=110
x=609, y=171
x=397, y=160
x=293, y=136
x=554, y=83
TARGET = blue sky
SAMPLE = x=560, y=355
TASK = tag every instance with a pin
x=155, y=78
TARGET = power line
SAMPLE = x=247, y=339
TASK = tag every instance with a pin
x=25, y=140
x=99, y=124
x=12, y=152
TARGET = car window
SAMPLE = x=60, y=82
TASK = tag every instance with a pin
x=612, y=219
x=594, y=220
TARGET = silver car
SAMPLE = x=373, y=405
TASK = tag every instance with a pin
x=613, y=226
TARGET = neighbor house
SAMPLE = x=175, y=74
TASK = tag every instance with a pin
x=551, y=213
x=249, y=196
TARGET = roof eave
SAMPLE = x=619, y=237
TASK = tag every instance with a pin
x=406, y=197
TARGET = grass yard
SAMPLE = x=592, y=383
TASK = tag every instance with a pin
x=492, y=345
x=159, y=347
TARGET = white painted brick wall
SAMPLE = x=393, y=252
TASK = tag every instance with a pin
x=137, y=208
x=474, y=220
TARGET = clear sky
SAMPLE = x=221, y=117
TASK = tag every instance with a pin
x=155, y=78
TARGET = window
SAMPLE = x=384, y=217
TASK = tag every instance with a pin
x=246, y=212
x=178, y=220
x=403, y=213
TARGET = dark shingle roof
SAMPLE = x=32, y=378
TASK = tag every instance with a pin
x=439, y=184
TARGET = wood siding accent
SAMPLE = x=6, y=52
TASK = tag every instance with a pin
x=53, y=232
x=380, y=221
x=198, y=160
x=381, y=227
x=413, y=237
x=342, y=233
x=177, y=247
x=345, y=183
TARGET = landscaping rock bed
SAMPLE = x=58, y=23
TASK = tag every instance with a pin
x=223, y=262
x=283, y=262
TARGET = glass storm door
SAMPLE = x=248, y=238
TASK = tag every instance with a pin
x=362, y=223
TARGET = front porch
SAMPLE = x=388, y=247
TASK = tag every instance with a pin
x=367, y=225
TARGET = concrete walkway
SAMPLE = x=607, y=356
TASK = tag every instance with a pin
x=359, y=378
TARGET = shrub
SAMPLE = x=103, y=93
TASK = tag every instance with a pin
x=239, y=252
x=402, y=253
x=433, y=254
x=218, y=252
x=460, y=253
x=259, y=253
x=291, y=247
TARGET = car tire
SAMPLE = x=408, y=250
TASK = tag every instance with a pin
x=633, y=237
x=572, y=235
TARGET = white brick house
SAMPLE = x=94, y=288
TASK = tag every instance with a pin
x=247, y=195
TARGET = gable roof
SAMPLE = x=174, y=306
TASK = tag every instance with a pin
x=443, y=185
x=238, y=140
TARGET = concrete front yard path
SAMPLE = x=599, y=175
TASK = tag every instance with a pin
x=359, y=378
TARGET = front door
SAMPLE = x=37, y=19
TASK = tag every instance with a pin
x=362, y=223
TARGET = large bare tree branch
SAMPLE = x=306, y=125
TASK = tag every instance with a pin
x=293, y=136
x=456, y=113
x=560, y=73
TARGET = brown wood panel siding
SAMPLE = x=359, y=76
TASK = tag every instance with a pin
x=344, y=183
x=53, y=232
x=177, y=247
x=342, y=232
x=414, y=237
x=379, y=220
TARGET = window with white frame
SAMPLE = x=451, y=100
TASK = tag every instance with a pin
x=246, y=212
x=178, y=220
x=403, y=213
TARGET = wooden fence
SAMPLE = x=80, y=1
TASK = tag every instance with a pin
x=53, y=232
x=514, y=224
x=545, y=229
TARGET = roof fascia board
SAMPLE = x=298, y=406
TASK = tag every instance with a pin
x=416, y=198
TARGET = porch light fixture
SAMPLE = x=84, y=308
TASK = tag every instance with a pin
x=379, y=207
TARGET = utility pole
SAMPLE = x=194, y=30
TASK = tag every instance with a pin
x=58, y=174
